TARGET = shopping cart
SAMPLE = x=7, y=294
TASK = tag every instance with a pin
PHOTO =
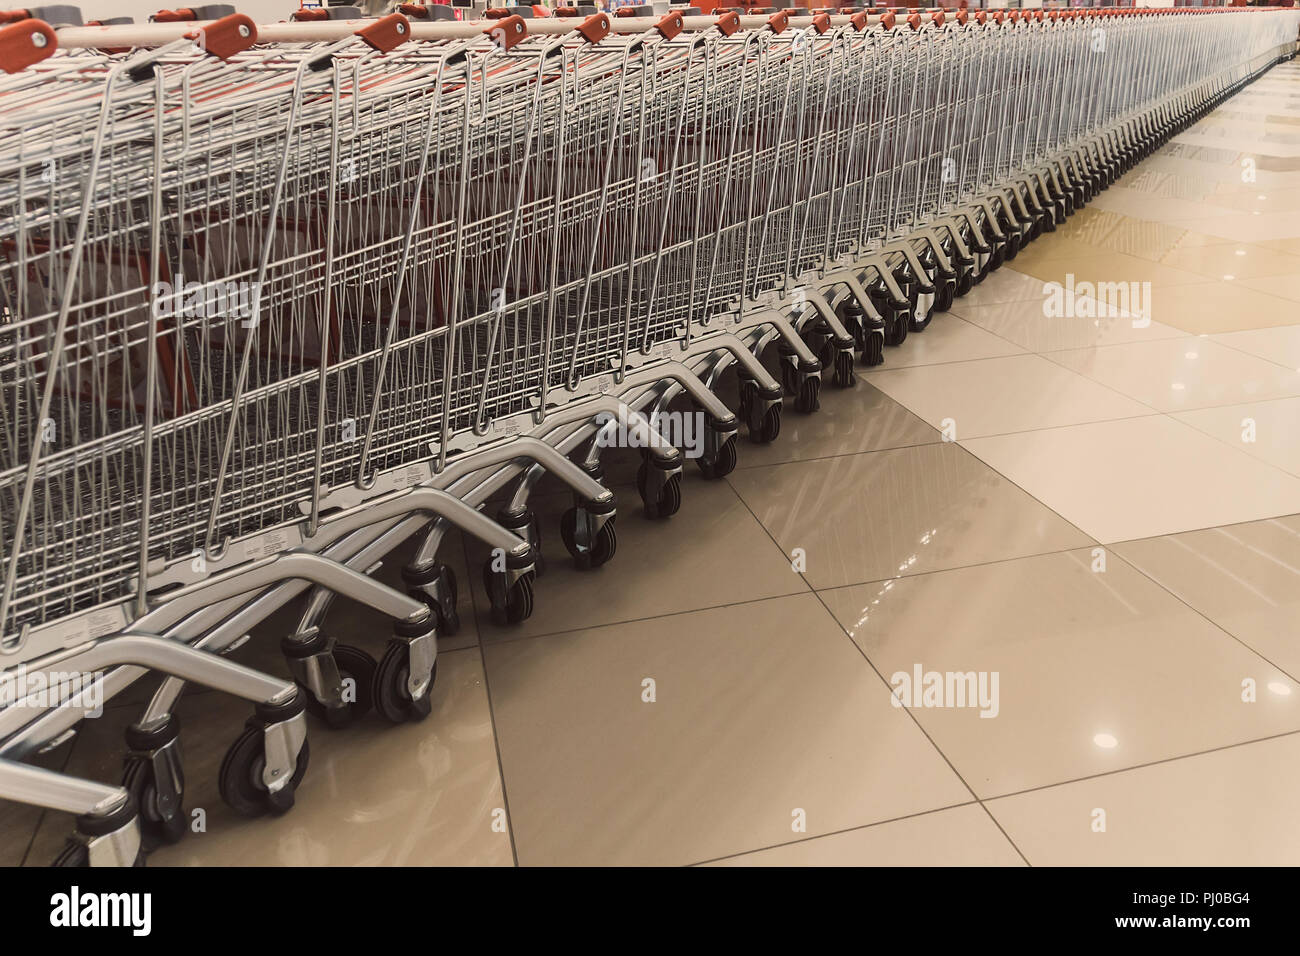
x=280, y=298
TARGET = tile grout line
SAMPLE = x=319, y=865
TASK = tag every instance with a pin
x=889, y=690
x=492, y=715
x=1143, y=766
x=871, y=664
x=916, y=721
x=830, y=833
x=1201, y=614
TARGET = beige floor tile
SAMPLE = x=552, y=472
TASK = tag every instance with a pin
x=1215, y=307
x=961, y=836
x=1179, y=374
x=1234, y=807
x=1081, y=656
x=1285, y=286
x=1110, y=267
x=1289, y=246
x=1139, y=477
x=712, y=552
x=1244, y=577
x=1280, y=344
x=1269, y=431
x=1263, y=201
x=1244, y=227
x=1029, y=325
x=998, y=395
x=904, y=511
x=1132, y=202
x=748, y=726
x=852, y=420
x=1115, y=232
x=374, y=795
x=1241, y=261
x=20, y=822
x=1169, y=185
x=1055, y=246
x=948, y=338
x=1004, y=285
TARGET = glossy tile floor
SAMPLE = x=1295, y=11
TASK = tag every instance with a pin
x=1094, y=513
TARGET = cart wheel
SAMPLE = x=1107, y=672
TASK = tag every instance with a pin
x=156, y=829
x=392, y=697
x=1013, y=245
x=449, y=622
x=808, y=400
x=919, y=325
x=943, y=298
x=669, y=502
x=895, y=328
x=723, y=465
x=765, y=431
x=74, y=854
x=355, y=665
x=829, y=356
x=844, y=376
x=240, y=779
x=873, y=353
x=601, y=550
x=912, y=289
x=996, y=257
x=789, y=376
x=747, y=390
x=518, y=606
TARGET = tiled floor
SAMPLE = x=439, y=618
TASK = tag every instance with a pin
x=1100, y=512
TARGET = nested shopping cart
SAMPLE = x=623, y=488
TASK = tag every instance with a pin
x=278, y=298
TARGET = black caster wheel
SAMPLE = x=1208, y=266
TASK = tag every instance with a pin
x=997, y=257
x=240, y=779
x=669, y=502
x=748, y=388
x=601, y=550
x=789, y=374
x=843, y=366
x=392, y=697
x=1013, y=245
x=839, y=358
x=765, y=430
x=358, y=667
x=809, y=397
x=944, y=296
x=896, y=326
x=721, y=466
x=965, y=282
x=916, y=324
x=74, y=855
x=449, y=621
x=156, y=828
x=518, y=605
x=873, y=351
